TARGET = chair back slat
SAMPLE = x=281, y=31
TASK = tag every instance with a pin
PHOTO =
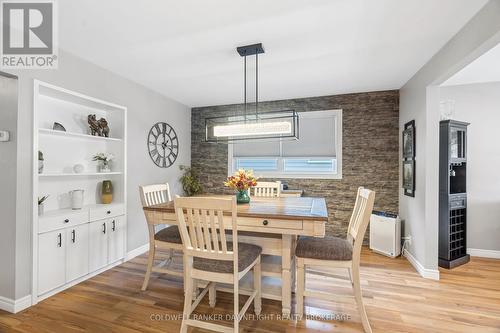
x=220, y=219
x=360, y=217
x=215, y=240
x=267, y=189
x=154, y=194
x=202, y=226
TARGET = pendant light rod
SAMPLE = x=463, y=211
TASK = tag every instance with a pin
x=245, y=87
x=256, y=86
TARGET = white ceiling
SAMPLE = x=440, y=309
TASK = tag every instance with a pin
x=486, y=68
x=185, y=49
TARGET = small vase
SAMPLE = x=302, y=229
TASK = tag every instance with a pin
x=104, y=167
x=107, y=192
x=242, y=197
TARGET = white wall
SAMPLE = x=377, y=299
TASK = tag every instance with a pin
x=479, y=104
x=8, y=156
x=419, y=100
x=145, y=107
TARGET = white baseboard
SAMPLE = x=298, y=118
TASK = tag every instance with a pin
x=14, y=306
x=484, y=253
x=432, y=274
x=137, y=252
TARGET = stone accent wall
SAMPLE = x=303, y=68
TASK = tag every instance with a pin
x=369, y=154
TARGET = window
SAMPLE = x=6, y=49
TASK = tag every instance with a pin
x=316, y=154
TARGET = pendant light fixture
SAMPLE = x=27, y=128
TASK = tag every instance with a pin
x=246, y=125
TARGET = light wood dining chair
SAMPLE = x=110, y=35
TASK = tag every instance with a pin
x=337, y=252
x=267, y=189
x=209, y=257
x=168, y=238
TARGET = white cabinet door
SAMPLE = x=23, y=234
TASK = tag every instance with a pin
x=77, y=252
x=51, y=260
x=98, y=245
x=116, y=227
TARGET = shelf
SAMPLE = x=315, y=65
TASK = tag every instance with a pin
x=47, y=131
x=90, y=174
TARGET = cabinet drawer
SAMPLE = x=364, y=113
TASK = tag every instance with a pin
x=270, y=223
x=105, y=211
x=69, y=218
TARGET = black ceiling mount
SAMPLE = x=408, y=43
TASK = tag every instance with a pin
x=249, y=50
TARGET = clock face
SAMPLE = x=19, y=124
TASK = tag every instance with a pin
x=163, y=145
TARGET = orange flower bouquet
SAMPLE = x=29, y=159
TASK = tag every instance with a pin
x=241, y=181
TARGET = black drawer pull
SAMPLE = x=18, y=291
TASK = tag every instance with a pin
x=114, y=225
x=59, y=240
x=265, y=222
x=104, y=228
x=108, y=212
x=73, y=236
x=66, y=221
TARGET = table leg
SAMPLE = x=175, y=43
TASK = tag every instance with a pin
x=286, y=275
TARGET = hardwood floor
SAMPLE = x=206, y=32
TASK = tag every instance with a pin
x=397, y=299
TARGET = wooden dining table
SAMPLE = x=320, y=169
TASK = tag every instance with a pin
x=274, y=224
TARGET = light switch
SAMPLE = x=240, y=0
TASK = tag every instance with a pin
x=4, y=136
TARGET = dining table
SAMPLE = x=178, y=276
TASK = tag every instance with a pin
x=273, y=223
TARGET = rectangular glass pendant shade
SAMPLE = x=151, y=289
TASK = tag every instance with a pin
x=265, y=125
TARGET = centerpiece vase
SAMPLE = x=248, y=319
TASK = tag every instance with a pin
x=107, y=192
x=242, y=197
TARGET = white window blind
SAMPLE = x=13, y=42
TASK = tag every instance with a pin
x=316, y=136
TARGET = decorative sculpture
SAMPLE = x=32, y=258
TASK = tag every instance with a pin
x=95, y=129
x=103, y=124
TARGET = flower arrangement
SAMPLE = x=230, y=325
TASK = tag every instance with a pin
x=104, y=158
x=241, y=181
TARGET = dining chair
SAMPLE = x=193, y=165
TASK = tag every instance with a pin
x=167, y=238
x=267, y=189
x=209, y=257
x=334, y=252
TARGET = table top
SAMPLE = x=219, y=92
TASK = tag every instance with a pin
x=299, y=208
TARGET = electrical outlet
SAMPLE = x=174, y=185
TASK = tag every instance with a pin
x=407, y=239
x=4, y=136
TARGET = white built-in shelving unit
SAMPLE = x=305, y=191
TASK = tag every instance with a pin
x=69, y=245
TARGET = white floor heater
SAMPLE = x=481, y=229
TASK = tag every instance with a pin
x=385, y=233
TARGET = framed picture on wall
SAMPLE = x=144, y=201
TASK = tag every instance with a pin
x=409, y=177
x=409, y=140
x=409, y=158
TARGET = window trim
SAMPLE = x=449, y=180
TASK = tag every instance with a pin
x=281, y=174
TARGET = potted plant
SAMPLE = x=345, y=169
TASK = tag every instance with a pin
x=241, y=181
x=190, y=181
x=41, y=204
x=104, y=160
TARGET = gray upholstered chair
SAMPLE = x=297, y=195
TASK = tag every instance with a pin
x=334, y=252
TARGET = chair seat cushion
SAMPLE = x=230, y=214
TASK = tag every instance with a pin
x=327, y=248
x=247, y=253
x=169, y=234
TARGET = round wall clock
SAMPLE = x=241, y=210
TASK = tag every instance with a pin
x=163, y=145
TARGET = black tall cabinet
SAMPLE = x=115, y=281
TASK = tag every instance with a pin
x=452, y=193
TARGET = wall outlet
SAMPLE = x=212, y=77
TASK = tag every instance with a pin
x=4, y=136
